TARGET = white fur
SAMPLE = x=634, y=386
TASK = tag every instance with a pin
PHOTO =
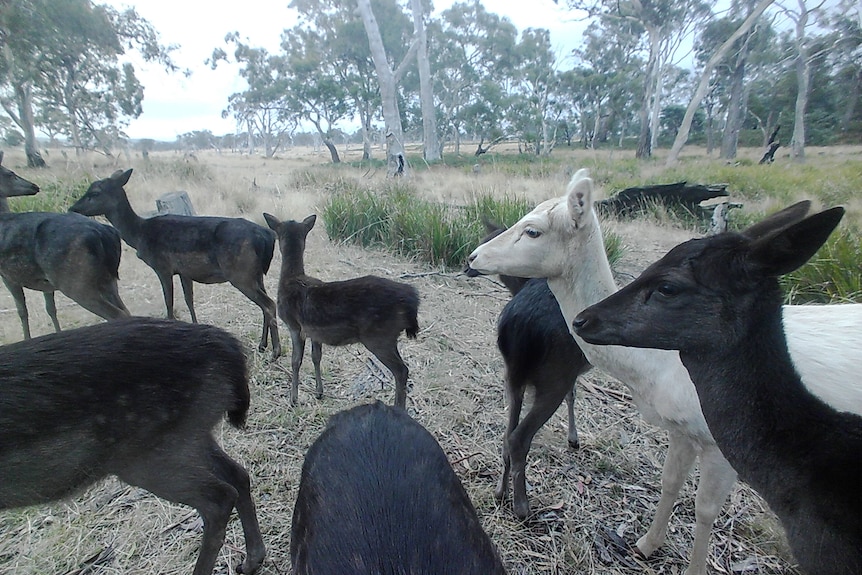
x=569, y=251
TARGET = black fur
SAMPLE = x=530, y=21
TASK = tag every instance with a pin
x=378, y=495
x=136, y=398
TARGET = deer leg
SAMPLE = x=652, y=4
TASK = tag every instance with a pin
x=716, y=481
x=297, y=350
x=520, y=440
x=167, y=281
x=574, y=442
x=388, y=355
x=189, y=295
x=234, y=474
x=51, y=308
x=270, y=321
x=681, y=453
x=187, y=476
x=316, y=355
x=21, y=305
x=515, y=399
x=104, y=301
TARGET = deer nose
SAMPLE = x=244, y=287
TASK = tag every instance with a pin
x=580, y=321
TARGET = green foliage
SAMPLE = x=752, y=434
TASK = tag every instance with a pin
x=54, y=196
x=832, y=275
x=397, y=220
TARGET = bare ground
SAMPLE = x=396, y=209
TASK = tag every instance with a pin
x=580, y=499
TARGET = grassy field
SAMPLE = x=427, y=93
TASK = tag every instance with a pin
x=611, y=484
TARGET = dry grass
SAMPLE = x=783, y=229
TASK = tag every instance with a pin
x=611, y=484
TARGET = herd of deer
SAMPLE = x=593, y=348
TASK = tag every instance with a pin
x=701, y=339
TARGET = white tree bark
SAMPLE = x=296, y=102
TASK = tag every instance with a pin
x=395, y=158
x=703, y=86
x=431, y=150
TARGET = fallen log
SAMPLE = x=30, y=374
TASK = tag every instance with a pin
x=639, y=199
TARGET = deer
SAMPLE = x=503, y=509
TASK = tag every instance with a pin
x=717, y=300
x=203, y=249
x=51, y=252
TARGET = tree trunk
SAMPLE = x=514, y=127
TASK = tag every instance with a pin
x=685, y=128
x=333, y=151
x=28, y=124
x=803, y=80
x=730, y=138
x=852, y=100
x=431, y=150
x=644, y=149
x=655, y=118
x=395, y=158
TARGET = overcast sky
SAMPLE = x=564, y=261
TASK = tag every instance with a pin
x=174, y=104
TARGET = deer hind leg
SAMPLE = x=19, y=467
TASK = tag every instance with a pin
x=316, y=356
x=258, y=295
x=681, y=453
x=101, y=299
x=185, y=474
x=21, y=305
x=515, y=399
x=297, y=341
x=189, y=295
x=544, y=405
x=51, y=308
x=387, y=353
x=233, y=473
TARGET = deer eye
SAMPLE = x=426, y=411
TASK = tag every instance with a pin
x=667, y=289
x=532, y=233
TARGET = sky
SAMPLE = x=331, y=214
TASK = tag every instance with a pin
x=174, y=104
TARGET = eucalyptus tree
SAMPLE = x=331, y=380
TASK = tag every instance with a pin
x=846, y=60
x=343, y=40
x=611, y=70
x=314, y=84
x=804, y=14
x=665, y=23
x=535, y=81
x=473, y=52
x=705, y=75
x=66, y=54
x=265, y=107
x=752, y=55
x=383, y=54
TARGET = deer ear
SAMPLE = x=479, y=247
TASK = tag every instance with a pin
x=781, y=219
x=309, y=221
x=579, y=195
x=787, y=249
x=121, y=178
x=271, y=221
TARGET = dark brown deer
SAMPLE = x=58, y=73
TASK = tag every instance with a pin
x=378, y=495
x=369, y=310
x=718, y=302
x=198, y=249
x=136, y=398
x=539, y=353
x=47, y=252
x=12, y=185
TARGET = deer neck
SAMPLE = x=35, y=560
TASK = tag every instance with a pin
x=751, y=397
x=293, y=261
x=127, y=222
